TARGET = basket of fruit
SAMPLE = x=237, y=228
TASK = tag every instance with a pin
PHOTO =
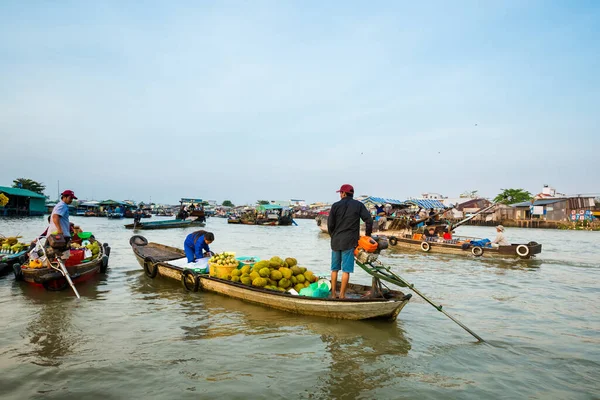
x=221, y=265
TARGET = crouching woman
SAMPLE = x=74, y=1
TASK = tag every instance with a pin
x=196, y=245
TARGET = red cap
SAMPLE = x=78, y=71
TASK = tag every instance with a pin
x=346, y=189
x=68, y=193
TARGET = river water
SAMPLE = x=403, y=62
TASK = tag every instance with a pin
x=131, y=337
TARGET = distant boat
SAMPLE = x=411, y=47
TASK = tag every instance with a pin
x=171, y=223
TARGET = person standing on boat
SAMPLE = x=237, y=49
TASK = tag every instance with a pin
x=500, y=239
x=195, y=242
x=343, y=225
x=59, y=219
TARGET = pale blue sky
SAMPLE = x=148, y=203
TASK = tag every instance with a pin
x=247, y=100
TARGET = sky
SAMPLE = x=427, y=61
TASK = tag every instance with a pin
x=278, y=100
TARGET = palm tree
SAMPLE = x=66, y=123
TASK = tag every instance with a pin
x=29, y=184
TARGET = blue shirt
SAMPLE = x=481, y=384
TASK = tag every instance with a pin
x=198, y=246
x=62, y=209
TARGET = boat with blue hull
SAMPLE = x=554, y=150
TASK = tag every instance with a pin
x=167, y=224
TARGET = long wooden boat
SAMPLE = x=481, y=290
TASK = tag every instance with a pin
x=53, y=280
x=407, y=238
x=463, y=246
x=171, y=223
x=155, y=257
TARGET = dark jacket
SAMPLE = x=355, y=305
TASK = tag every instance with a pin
x=343, y=223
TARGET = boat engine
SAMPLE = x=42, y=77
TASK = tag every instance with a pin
x=368, y=248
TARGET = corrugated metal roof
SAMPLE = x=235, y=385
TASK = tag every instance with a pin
x=541, y=202
x=426, y=203
x=21, y=192
x=423, y=203
x=381, y=200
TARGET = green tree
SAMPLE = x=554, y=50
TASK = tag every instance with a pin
x=263, y=202
x=228, y=203
x=511, y=196
x=29, y=184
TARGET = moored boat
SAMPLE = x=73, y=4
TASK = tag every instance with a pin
x=362, y=302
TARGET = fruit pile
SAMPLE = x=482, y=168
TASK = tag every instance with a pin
x=11, y=245
x=94, y=247
x=225, y=259
x=37, y=263
x=274, y=274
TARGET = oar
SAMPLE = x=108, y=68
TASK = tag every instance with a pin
x=391, y=277
x=64, y=271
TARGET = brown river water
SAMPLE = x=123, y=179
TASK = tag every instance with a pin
x=133, y=337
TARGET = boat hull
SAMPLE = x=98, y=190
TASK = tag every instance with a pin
x=7, y=262
x=177, y=223
x=53, y=280
x=475, y=251
x=352, y=309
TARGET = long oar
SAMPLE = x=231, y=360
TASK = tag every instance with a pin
x=61, y=265
x=386, y=274
x=64, y=271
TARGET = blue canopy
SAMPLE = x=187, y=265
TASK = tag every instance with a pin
x=381, y=200
x=425, y=203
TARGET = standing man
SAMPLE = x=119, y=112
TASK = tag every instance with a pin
x=343, y=225
x=59, y=219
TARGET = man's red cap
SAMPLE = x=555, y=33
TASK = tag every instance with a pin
x=346, y=189
x=68, y=193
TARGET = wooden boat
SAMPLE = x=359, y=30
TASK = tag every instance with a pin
x=53, y=280
x=462, y=246
x=403, y=233
x=8, y=261
x=321, y=220
x=154, y=258
x=170, y=223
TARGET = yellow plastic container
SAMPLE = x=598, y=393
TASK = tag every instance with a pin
x=218, y=270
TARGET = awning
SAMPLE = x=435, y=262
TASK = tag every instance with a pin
x=425, y=203
x=189, y=200
x=372, y=200
x=110, y=203
x=90, y=204
x=264, y=207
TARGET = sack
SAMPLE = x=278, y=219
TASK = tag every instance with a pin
x=57, y=241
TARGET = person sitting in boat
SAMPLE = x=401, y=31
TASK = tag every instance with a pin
x=430, y=234
x=380, y=217
x=195, y=242
x=447, y=234
x=431, y=214
x=500, y=240
x=182, y=214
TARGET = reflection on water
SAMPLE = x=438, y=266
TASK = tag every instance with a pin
x=51, y=335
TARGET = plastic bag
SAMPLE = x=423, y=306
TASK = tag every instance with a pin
x=316, y=289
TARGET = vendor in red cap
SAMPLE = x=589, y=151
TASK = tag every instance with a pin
x=59, y=219
x=343, y=225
